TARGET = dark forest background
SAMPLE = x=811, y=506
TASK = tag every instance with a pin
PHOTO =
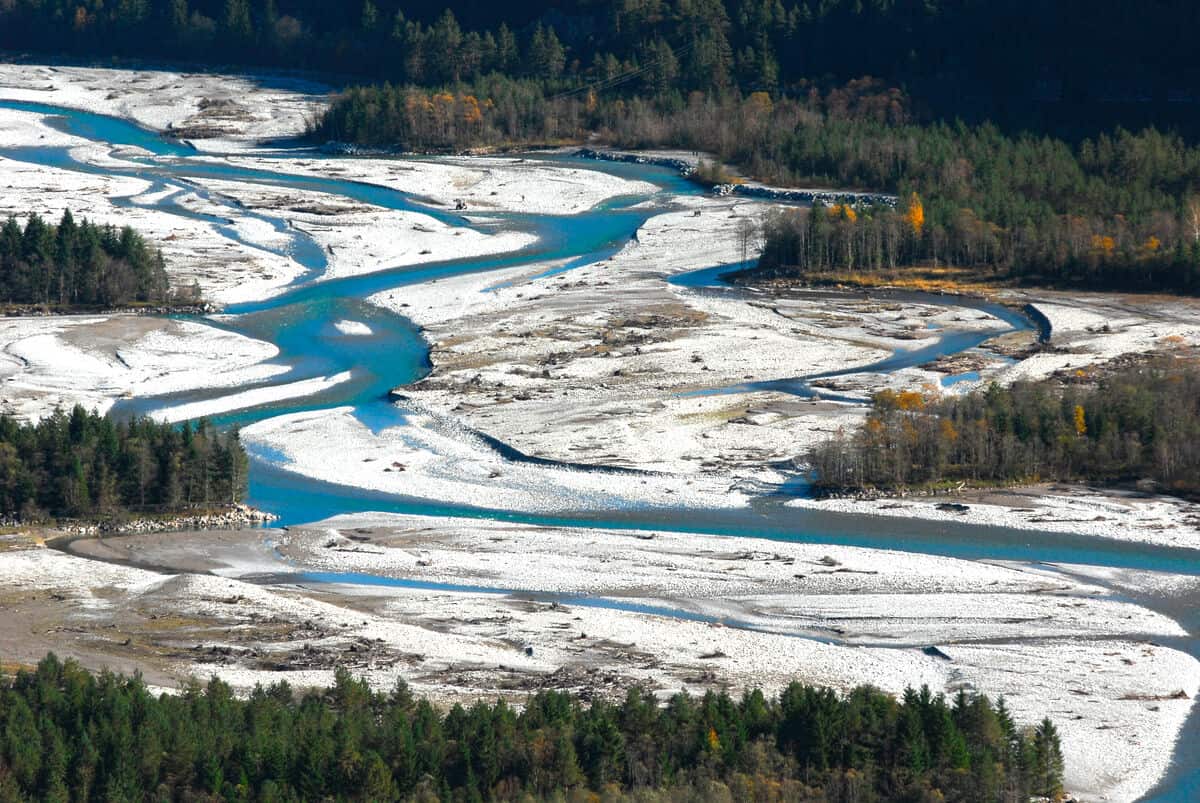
x=1067, y=67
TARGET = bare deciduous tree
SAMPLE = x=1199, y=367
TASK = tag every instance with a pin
x=747, y=232
x=1193, y=216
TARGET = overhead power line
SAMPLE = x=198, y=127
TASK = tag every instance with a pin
x=605, y=84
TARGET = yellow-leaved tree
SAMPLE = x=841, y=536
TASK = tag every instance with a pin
x=759, y=105
x=915, y=214
x=714, y=742
x=843, y=212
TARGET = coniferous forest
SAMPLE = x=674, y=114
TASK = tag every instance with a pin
x=85, y=465
x=78, y=265
x=1138, y=422
x=68, y=734
x=1081, y=64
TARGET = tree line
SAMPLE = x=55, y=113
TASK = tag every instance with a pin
x=493, y=111
x=68, y=735
x=78, y=265
x=1132, y=423
x=84, y=465
x=1118, y=211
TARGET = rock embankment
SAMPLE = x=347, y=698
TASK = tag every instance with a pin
x=43, y=311
x=684, y=167
x=688, y=169
x=1044, y=325
x=231, y=518
x=825, y=197
x=335, y=148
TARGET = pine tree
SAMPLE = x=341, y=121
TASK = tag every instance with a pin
x=1047, y=765
x=236, y=21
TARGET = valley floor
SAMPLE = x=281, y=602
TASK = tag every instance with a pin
x=605, y=364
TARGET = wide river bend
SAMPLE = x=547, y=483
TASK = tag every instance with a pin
x=300, y=322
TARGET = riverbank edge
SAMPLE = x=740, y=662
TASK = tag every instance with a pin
x=759, y=278
x=45, y=311
x=230, y=517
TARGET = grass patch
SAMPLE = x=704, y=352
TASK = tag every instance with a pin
x=721, y=416
x=926, y=279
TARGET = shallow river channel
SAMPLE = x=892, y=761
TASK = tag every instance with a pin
x=300, y=322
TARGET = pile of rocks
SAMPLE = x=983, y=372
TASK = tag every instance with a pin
x=685, y=168
x=828, y=198
x=233, y=517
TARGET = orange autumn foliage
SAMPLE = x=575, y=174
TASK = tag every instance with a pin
x=471, y=112
x=843, y=210
x=909, y=400
x=760, y=104
x=915, y=215
x=905, y=400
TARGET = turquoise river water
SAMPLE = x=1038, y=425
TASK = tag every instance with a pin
x=300, y=323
